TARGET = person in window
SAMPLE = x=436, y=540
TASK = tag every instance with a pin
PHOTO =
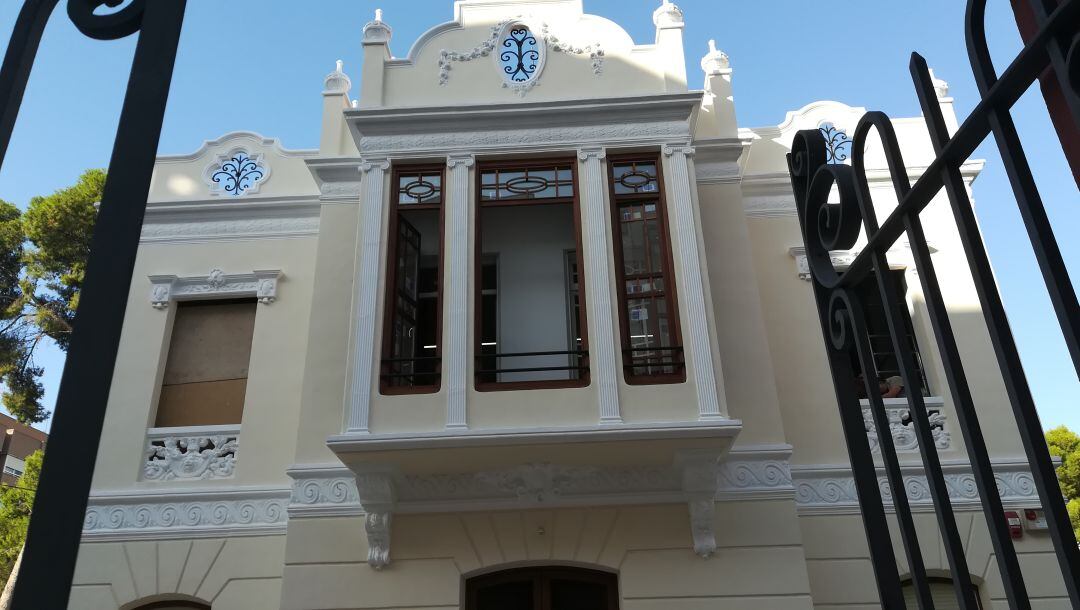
x=893, y=387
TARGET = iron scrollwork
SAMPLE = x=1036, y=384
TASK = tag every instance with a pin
x=238, y=173
x=522, y=55
x=837, y=143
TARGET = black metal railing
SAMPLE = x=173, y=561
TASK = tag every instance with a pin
x=52, y=543
x=415, y=371
x=827, y=227
x=487, y=365
x=653, y=360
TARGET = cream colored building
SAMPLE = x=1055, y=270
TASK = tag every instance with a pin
x=531, y=328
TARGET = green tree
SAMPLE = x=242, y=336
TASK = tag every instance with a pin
x=1065, y=444
x=15, y=504
x=43, y=253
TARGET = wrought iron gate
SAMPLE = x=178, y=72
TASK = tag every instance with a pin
x=1054, y=52
x=52, y=543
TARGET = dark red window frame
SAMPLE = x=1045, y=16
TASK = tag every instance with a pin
x=482, y=358
x=387, y=370
x=637, y=362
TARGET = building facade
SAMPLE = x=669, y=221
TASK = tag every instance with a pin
x=20, y=441
x=530, y=329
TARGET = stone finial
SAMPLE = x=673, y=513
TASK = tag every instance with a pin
x=715, y=61
x=668, y=15
x=337, y=81
x=941, y=87
x=377, y=32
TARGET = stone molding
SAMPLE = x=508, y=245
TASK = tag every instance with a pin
x=331, y=490
x=261, y=284
x=185, y=513
x=191, y=453
x=200, y=220
x=831, y=489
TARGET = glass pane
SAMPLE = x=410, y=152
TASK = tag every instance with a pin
x=656, y=261
x=506, y=596
x=633, y=247
x=578, y=595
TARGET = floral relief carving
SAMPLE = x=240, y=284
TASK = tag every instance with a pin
x=169, y=458
x=903, y=429
x=522, y=45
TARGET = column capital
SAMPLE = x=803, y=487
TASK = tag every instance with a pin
x=369, y=163
x=453, y=161
x=591, y=152
x=682, y=149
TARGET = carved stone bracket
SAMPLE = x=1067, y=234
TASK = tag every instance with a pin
x=261, y=284
x=699, y=472
x=378, y=498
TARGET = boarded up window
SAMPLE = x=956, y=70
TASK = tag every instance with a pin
x=206, y=371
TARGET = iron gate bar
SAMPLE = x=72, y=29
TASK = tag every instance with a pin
x=18, y=61
x=807, y=154
x=828, y=226
x=52, y=542
x=1041, y=234
x=904, y=351
x=1012, y=370
x=1010, y=86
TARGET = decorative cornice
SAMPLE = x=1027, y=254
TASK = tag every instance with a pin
x=215, y=285
x=330, y=490
x=831, y=489
x=249, y=137
x=229, y=229
x=529, y=126
x=185, y=513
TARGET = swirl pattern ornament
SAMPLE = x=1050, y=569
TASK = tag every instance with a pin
x=183, y=515
x=520, y=54
x=106, y=26
x=837, y=143
x=239, y=173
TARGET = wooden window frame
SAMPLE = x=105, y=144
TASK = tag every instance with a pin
x=389, y=309
x=575, y=202
x=541, y=577
x=668, y=268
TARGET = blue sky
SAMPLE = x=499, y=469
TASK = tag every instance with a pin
x=258, y=65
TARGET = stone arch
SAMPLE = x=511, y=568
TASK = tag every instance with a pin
x=167, y=602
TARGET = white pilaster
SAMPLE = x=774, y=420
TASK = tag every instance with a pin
x=368, y=248
x=696, y=335
x=602, y=362
x=455, y=354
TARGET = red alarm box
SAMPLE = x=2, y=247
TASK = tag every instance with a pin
x=1016, y=527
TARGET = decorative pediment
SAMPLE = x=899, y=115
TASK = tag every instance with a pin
x=214, y=285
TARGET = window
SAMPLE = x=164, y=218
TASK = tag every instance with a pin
x=648, y=308
x=885, y=359
x=941, y=591
x=15, y=472
x=412, y=335
x=206, y=372
x=543, y=589
x=530, y=321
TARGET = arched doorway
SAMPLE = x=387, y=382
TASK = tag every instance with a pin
x=173, y=605
x=543, y=588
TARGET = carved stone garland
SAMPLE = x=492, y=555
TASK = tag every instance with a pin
x=487, y=47
x=190, y=456
x=903, y=429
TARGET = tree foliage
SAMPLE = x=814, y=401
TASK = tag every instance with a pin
x=43, y=253
x=1065, y=443
x=15, y=504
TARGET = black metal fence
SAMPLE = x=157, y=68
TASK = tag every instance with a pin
x=52, y=543
x=826, y=227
